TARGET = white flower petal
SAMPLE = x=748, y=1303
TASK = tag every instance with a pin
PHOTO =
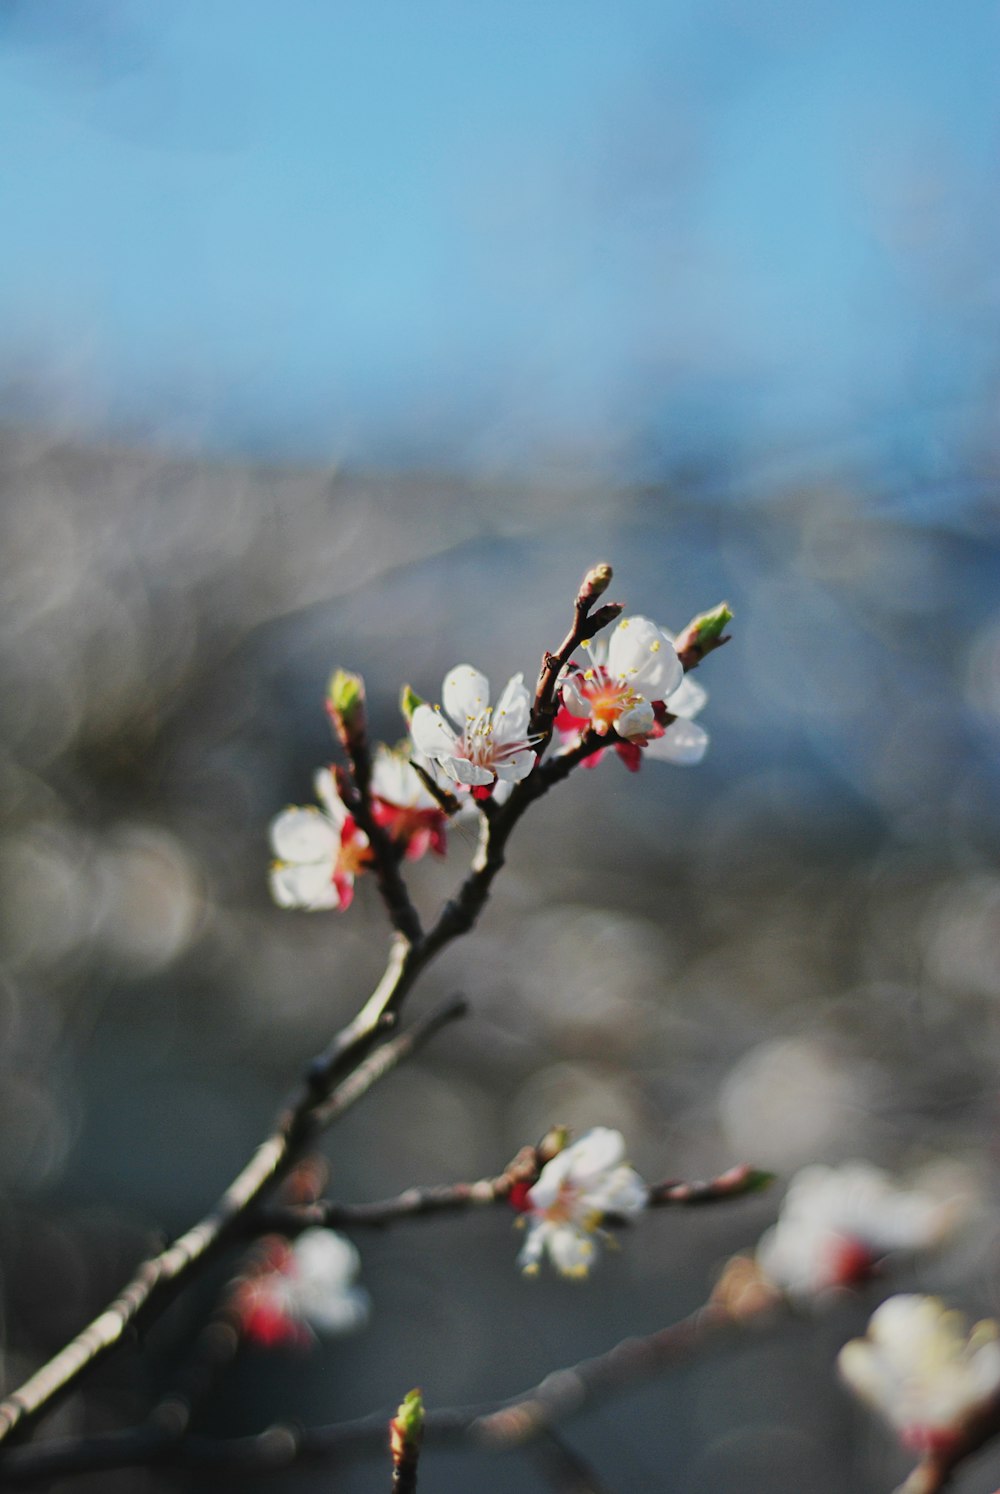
x=688, y=699
x=510, y=717
x=465, y=693
x=596, y=1151
x=641, y=653
x=512, y=769
x=573, y=700
x=431, y=733
x=571, y=1250
x=466, y=773
x=684, y=743
x=325, y=1259
x=637, y=721
x=533, y=1248
x=622, y=1192
x=309, y=887
x=304, y=835
x=326, y=792
x=345, y=1312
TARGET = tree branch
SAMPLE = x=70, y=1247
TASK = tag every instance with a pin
x=158, y=1279
x=499, y=1427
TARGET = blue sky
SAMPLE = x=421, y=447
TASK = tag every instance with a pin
x=638, y=232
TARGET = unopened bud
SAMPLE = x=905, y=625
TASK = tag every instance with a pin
x=709, y=626
x=345, y=697
x=703, y=634
x=405, y=1433
x=594, y=584
x=555, y=1140
x=408, y=702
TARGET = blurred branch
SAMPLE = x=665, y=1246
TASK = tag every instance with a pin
x=564, y=1468
x=499, y=1427
x=158, y=1279
x=348, y=1068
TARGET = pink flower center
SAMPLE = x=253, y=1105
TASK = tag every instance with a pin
x=607, y=697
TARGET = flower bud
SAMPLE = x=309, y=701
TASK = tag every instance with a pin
x=408, y=702
x=405, y=1434
x=555, y=1140
x=594, y=584
x=345, y=700
x=709, y=626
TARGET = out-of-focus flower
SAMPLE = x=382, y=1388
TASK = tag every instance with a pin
x=635, y=684
x=402, y=804
x=319, y=852
x=924, y=1371
x=837, y=1223
x=486, y=743
x=565, y=1208
x=306, y=1288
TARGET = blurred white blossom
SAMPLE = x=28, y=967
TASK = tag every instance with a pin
x=923, y=1369
x=836, y=1223
x=309, y=1287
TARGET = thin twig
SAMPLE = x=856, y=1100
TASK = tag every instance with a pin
x=454, y=1198
x=158, y=1279
x=498, y=1427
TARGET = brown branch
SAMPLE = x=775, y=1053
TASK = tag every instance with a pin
x=158, y=1279
x=736, y=1183
x=586, y=623
x=454, y=1198
x=498, y=1427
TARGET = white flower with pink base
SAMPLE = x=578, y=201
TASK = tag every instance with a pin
x=564, y=1209
x=836, y=1224
x=303, y=1289
x=319, y=852
x=633, y=683
x=475, y=743
x=924, y=1371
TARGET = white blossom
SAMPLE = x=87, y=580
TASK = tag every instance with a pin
x=403, y=805
x=575, y=1190
x=311, y=1287
x=923, y=1369
x=318, y=851
x=634, y=680
x=475, y=743
x=836, y=1223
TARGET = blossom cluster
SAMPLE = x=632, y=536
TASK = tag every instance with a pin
x=631, y=691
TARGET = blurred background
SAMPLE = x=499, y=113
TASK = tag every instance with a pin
x=354, y=334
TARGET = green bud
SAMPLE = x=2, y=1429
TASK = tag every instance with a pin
x=408, y=702
x=405, y=1432
x=410, y=1416
x=709, y=626
x=346, y=696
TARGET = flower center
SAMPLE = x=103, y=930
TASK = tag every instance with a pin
x=478, y=739
x=607, y=697
x=354, y=854
x=563, y=1209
